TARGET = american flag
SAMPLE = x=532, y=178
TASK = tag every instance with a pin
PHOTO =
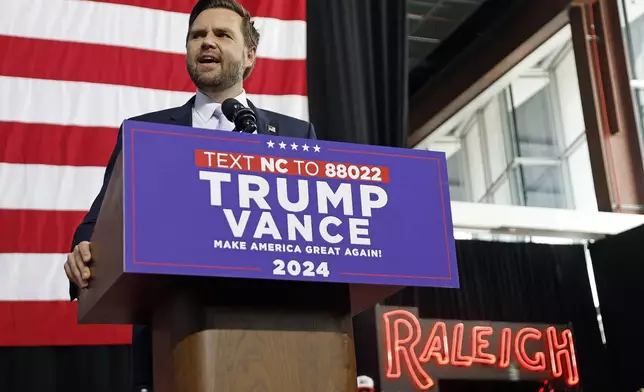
x=70, y=72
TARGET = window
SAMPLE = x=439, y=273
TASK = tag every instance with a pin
x=525, y=144
x=632, y=21
x=535, y=131
x=495, y=122
x=455, y=172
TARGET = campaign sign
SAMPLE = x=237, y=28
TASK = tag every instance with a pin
x=227, y=204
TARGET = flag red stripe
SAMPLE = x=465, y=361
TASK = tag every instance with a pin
x=278, y=9
x=54, y=323
x=81, y=62
x=49, y=144
x=36, y=231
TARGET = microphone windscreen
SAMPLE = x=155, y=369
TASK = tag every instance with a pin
x=230, y=107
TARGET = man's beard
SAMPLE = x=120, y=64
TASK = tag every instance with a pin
x=212, y=81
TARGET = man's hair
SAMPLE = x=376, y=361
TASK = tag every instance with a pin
x=250, y=33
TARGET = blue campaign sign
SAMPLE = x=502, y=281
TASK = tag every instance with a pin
x=216, y=203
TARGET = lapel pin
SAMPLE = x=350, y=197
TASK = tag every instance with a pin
x=271, y=129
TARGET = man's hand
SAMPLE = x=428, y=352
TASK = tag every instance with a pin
x=76, y=265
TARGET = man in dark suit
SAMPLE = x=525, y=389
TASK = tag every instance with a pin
x=221, y=49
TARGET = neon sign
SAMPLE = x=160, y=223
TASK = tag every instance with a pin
x=410, y=348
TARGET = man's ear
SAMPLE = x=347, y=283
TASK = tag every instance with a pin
x=251, y=56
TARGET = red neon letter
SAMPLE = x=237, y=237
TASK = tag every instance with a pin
x=563, y=352
x=397, y=346
x=479, y=344
x=506, y=338
x=436, y=345
x=539, y=363
x=458, y=359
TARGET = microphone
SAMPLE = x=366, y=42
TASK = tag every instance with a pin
x=243, y=117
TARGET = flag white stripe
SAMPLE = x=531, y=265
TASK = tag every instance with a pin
x=33, y=277
x=133, y=27
x=93, y=104
x=281, y=39
x=48, y=187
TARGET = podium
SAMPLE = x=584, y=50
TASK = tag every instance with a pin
x=233, y=317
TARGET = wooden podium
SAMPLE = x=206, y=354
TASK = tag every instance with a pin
x=334, y=228
x=214, y=334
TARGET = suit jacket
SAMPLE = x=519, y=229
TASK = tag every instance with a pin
x=267, y=123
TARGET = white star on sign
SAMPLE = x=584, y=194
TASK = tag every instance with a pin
x=316, y=148
x=270, y=144
x=282, y=145
x=305, y=147
x=294, y=146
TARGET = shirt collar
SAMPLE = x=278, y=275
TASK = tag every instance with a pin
x=205, y=106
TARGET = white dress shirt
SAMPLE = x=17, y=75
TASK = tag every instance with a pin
x=207, y=114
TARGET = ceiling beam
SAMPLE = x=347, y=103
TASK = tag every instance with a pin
x=481, y=64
